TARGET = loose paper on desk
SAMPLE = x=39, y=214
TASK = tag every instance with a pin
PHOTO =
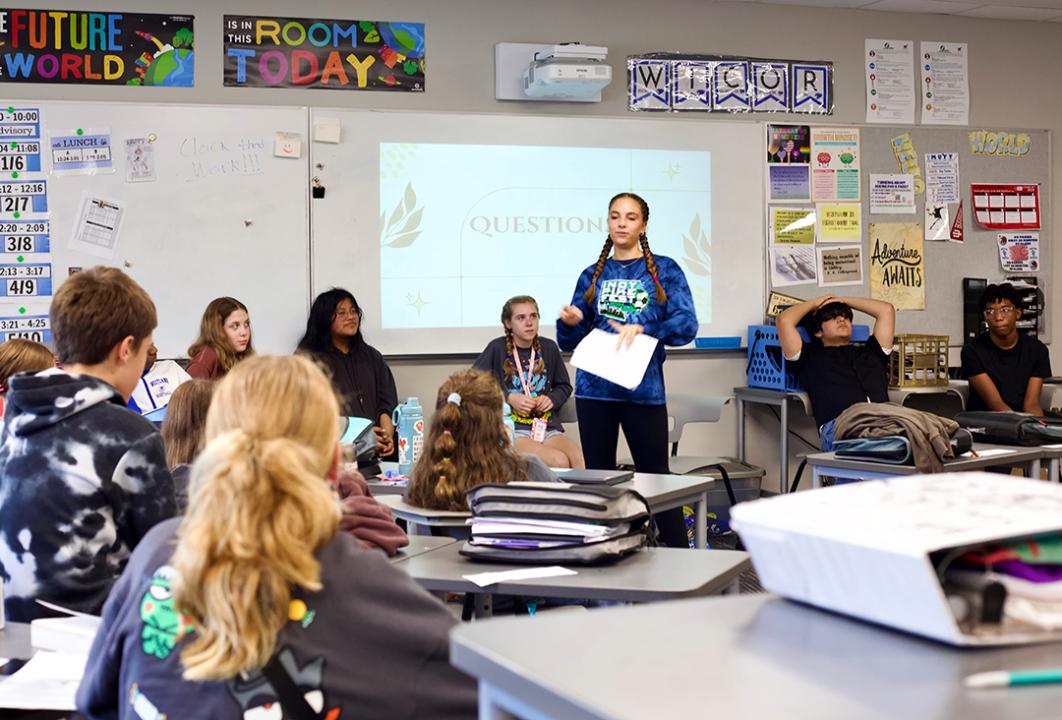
x=598, y=354
x=47, y=682
x=492, y=578
x=98, y=226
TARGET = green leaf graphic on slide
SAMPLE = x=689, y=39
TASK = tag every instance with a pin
x=698, y=249
x=403, y=227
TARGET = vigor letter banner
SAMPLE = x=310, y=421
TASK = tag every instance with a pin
x=330, y=54
x=96, y=48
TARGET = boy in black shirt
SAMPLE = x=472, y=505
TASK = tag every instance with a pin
x=1006, y=369
x=836, y=373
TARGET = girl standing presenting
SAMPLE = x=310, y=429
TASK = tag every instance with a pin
x=630, y=293
x=534, y=382
x=224, y=339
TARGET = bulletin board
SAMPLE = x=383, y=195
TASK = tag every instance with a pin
x=945, y=262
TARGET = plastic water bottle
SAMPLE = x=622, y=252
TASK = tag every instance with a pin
x=409, y=419
x=507, y=420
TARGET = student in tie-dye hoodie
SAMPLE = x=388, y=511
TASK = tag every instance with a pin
x=82, y=477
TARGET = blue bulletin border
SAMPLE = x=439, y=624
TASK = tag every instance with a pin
x=677, y=101
x=26, y=327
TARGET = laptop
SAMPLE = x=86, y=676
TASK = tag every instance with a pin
x=593, y=477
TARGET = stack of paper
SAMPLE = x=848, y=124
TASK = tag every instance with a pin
x=535, y=533
x=48, y=681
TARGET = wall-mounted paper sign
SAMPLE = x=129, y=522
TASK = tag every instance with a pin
x=1004, y=206
x=840, y=223
x=841, y=265
x=1019, y=252
x=792, y=225
x=287, y=145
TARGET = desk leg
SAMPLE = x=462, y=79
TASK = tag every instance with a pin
x=489, y=709
x=741, y=429
x=1034, y=468
x=816, y=478
x=484, y=607
x=1052, y=470
x=700, y=522
x=783, y=463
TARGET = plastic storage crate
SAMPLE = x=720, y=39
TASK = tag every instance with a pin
x=919, y=361
x=768, y=368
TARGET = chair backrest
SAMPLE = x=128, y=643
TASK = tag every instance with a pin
x=684, y=408
x=566, y=414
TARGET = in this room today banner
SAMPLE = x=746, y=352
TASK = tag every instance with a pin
x=96, y=48
x=332, y=54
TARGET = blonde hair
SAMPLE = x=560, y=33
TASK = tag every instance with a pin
x=212, y=333
x=18, y=356
x=184, y=428
x=258, y=511
x=466, y=446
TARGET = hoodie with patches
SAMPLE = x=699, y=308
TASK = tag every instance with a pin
x=82, y=480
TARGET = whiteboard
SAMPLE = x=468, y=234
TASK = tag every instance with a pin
x=223, y=217
x=348, y=224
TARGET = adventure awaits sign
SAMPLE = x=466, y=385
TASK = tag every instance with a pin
x=330, y=54
x=96, y=48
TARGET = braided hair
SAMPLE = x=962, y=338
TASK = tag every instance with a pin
x=466, y=445
x=643, y=242
x=506, y=317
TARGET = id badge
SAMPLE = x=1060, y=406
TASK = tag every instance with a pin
x=538, y=429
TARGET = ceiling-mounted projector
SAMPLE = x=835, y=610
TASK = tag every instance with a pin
x=567, y=71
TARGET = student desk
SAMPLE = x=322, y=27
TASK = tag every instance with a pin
x=649, y=575
x=15, y=641
x=750, y=656
x=778, y=398
x=420, y=544
x=829, y=465
x=1052, y=454
x=662, y=492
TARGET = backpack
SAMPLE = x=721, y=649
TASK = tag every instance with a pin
x=1011, y=428
x=528, y=522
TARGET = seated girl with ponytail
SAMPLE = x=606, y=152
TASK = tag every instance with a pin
x=467, y=445
x=255, y=603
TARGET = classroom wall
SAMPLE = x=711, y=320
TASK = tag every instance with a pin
x=1012, y=70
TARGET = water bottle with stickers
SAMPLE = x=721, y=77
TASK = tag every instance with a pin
x=409, y=419
x=510, y=425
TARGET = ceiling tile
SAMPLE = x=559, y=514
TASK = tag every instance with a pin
x=922, y=6
x=1002, y=12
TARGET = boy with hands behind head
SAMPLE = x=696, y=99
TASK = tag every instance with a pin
x=836, y=373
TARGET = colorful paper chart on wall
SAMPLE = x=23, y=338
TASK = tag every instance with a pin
x=96, y=48
x=285, y=52
x=1000, y=206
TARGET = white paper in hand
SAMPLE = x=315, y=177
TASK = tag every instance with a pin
x=598, y=354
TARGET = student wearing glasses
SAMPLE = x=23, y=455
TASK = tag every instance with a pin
x=1006, y=369
x=363, y=383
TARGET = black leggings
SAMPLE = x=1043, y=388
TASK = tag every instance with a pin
x=645, y=428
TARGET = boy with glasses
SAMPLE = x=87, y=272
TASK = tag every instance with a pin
x=1006, y=369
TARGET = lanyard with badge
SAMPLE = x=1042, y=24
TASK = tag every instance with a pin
x=538, y=425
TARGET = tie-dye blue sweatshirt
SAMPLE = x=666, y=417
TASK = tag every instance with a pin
x=626, y=293
x=82, y=480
